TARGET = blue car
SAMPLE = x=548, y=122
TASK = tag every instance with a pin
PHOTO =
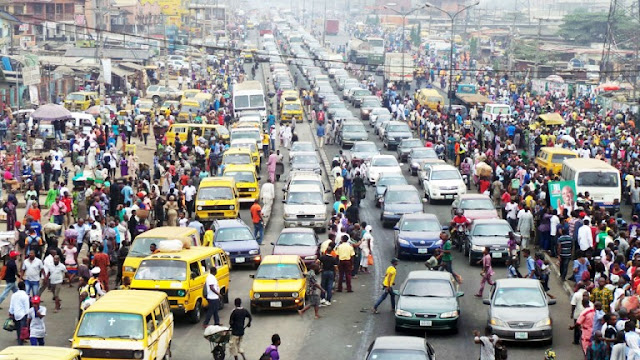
x=417, y=235
x=236, y=239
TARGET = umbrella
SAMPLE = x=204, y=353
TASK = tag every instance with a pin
x=569, y=139
x=51, y=112
x=608, y=87
x=94, y=110
x=555, y=78
x=483, y=169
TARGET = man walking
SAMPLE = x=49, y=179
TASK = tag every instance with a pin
x=32, y=269
x=213, y=297
x=565, y=245
x=19, y=309
x=345, y=254
x=236, y=323
x=447, y=258
x=10, y=276
x=258, y=221
x=387, y=286
x=329, y=266
x=55, y=276
x=487, y=270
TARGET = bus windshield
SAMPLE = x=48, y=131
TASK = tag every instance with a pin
x=598, y=179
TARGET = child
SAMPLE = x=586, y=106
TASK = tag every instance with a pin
x=434, y=261
x=70, y=260
x=512, y=272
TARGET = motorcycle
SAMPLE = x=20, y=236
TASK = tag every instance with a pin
x=459, y=236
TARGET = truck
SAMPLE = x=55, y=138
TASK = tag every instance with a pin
x=331, y=26
x=364, y=52
x=394, y=69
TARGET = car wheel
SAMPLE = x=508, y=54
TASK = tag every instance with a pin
x=194, y=315
x=466, y=249
x=156, y=99
x=470, y=260
x=254, y=309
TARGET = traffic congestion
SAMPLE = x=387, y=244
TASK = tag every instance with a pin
x=289, y=189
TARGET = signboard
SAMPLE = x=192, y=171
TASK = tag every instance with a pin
x=31, y=70
x=563, y=195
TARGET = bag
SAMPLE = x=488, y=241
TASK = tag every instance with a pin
x=204, y=291
x=24, y=333
x=3, y=272
x=9, y=325
x=500, y=352
x=266, y=355
x=370, y=259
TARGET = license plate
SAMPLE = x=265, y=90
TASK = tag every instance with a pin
x=279, y=304
x=422, y=251
x=522, y=335
x=239, y=260
x=305, y=223
x=426, y=322
x=448, y=196
x=496, y=255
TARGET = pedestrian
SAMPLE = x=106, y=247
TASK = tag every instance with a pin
x=447, y=258
x=10, y=276
x=236, y=323
x=345, y=254
x=271, y=166
x=329, y=264
x=271, y=352
x=565, y=248
x=487, y=270
x=213, y=297
x=487, y=343
x=19, y=309
x=258, y=221
x=387, y=286
x=312, y=291
x=320, y=132
x=102, y=261
x=32, y=270
x=35, y=322
x=55, y=276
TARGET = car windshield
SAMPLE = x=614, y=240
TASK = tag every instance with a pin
x=75, y=97
x=305, y=198
x=111, y=325
x=370, y=103
x=237, y=159
x=241, y=176
x=296, y=239
x=364, y=148
x=353, y=128
x=304, y=159
x=140, y=246
x=402, y=197
x=559, y=158
x=162, y=270
x=399, y=128
x=420, y=225
x=278, y=271
x=292, y=107
x=246, y=135
x=477, y=204
x=384, y=161
x=498, y=229
x=519, y=297
x=424, y=154
x=215, y=193
x=392, y=180
x=241, y=101
x=397, y=354
x=233, y=234
x=301, y=146
x=445, y=175
x=361, y=92
x=428, y=288
x=413, y=143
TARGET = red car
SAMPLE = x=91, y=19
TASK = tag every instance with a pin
x=475, y=206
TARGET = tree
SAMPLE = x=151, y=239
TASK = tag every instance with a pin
x=473, y=46
x=584, y=28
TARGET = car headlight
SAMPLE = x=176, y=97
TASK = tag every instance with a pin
x=477, y=248
x=295, y=294
x=226, y=252
x=387, y=213
x=181, y=293
x=254, y=252
x=403, y=242
x=543, y=322
x=252, y=189
x=497, y=322
x=138, y=354
x=403, y=313
x=232, y=207
x=129, y=269
x=449, y=314
x=256, y=295
x=438, y=243
x=287, y=215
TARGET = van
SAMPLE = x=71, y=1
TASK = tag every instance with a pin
x=217, y=198
x=126, y=324
x=144, y=105
x=291, y=110
x=83, y=121
x=81, y=100
x=247, y=133
x=39, y=352
x=430, y=98
x=207, y=130
x=547, y=120
x=251, y=146
x=139, y=248
x=246, y=180
x=551, y=158
x=188, y=111
x=182, y=275
x=492, y=111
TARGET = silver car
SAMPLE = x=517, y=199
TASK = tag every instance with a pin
x=519, y=310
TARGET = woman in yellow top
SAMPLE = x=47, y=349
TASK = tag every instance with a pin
x=387, y=286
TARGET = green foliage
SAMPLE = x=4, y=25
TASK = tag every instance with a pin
x=473, y=46
x=584, y=28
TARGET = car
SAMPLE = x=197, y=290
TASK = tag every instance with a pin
x=397, y=201
x=357, y=95
x=306, y=161
x=394, y=132
x=405, y=146
x=443, y=182
x=279, y=283
x=298, y=241
x=427, y=164
x=301, y=147
x=382, y=164
x=417, y=235
x=385, y=180
x=339, y=113
x=237, y=240
x=475, y=206
x=159, y=93
x=350, y=132
x=417, y=156
x=304, y=206
x=368, y=103
x=346, y=85
x=428, y=300
x=519, y=311
x=491, y=233
x=375, y=112
x=400, y=347
x=304, y=178
x=362, y=151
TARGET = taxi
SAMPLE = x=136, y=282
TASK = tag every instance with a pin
x=188, y=108
x=217, y=198
x=144, y=105
x=182, y=274
x=251, y=145
x=189, y=94
x=39, y=352
x=547, y=120
x=81, y=100
x=551, y=158
x=291, y=110
x=279, y=283
x=246, y=181
x=238, y=156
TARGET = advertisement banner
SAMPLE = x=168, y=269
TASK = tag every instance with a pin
x=106, y=70
x=563, y=195
x=33, y=95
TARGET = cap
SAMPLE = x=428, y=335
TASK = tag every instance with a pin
x=95, y=271
x=18, y=224
x=615, y=278
x=13, y=254
x=343, y=198
x=35, y=299
x=395, y=261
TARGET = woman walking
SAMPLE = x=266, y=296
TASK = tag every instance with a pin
x=487, y=271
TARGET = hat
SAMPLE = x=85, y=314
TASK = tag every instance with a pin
x=343, y=198
x=368, y=228
x=13, y=254
x=395, y=261
x=17, y=224
x=615, y=279
x=35, y=299
x=95, y=271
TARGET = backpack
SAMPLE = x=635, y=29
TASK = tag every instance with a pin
x=267, y=354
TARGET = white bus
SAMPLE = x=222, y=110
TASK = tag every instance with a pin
x=249, y=96
x=601, y=180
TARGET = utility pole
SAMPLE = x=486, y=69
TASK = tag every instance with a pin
x=99, y=10
x=166, y=50
x=535, y=69
x=324, y=22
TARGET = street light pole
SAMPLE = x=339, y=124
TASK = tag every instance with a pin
x=453, y=19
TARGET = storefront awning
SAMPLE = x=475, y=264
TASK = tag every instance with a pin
x=120, y=72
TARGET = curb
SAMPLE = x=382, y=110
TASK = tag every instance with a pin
x=323, y=154
x=556, y=270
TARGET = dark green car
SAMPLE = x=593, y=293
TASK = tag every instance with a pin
x=428, y=300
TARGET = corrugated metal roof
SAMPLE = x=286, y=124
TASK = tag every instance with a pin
x=121, y=72
x=138, y=54
x=131, y=65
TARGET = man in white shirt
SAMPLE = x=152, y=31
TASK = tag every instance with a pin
x=512, y=213
x=213, y=297
x=554, y=223
x=55, y=276
x=19, y=308
x=189, y=193
x=585, y=237
x=32, y=269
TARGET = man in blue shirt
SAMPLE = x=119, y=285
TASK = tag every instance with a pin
x=127, y=191
x=320, y=132
x=531, y=264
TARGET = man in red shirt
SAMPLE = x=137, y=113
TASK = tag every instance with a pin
x=258, y=222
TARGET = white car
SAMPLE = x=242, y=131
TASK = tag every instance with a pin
x=443, y=182
x=304, y=206
x=382, y=164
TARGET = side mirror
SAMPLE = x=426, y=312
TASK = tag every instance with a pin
x=396, y=228
x=272, y=243
x=259, y=180
x=284, y=190
x=461, y=294
x=486, y=301
x=396, y=292
x=252, y=276
x=284, y=201
x=445, y=228
x=424, y=200
x=551, y=301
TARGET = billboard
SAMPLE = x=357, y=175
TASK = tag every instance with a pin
x=563, y=195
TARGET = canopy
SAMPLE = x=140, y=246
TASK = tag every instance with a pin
x=552, y=119
x=51, y=112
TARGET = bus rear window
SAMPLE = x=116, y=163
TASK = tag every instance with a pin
x=598, y=179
